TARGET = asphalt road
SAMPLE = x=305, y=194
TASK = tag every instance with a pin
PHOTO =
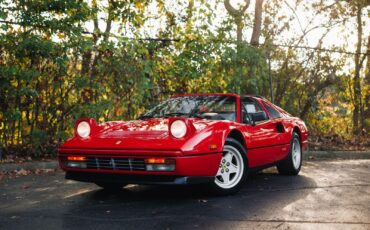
x=326, y=195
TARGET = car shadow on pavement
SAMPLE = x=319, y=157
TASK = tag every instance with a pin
x=184, y=207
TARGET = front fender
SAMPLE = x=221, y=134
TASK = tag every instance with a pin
x=209, y=140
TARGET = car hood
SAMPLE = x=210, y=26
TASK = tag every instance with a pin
x=137, y=129
x=139, y=134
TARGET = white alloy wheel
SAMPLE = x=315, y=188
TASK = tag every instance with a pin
x=231, y=168
x=291, y=165
x=296, y=153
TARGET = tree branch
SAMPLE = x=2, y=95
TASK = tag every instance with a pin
x=234, y=12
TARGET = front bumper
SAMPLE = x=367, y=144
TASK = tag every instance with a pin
x=136, y=179
x=188, y=169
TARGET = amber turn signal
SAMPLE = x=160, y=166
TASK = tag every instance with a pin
x=212, y=147
x=160, y=164
x=159, y=161
x=76, y=158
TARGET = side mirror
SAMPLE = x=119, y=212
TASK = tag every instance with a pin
x=247, y=119
x=259, y=116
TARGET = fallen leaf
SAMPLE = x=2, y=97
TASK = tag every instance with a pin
x=22, y=172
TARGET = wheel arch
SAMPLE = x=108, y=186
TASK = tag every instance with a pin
x=237, y=142
x=298, y=131
x=238, y=136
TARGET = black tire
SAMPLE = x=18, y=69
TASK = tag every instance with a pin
x=287, y=166
x=239, y=177
x=110, y=186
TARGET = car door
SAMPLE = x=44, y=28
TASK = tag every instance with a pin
x=283, y=137
x=262, y=138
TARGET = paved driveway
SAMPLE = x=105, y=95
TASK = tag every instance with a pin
x=327, y=194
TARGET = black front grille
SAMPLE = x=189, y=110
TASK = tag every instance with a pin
x=131, y=164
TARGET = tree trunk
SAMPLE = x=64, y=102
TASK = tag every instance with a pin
x=239, y=32
x=257, y=23
x=357, y=81
x=238, y=17
x=366, y=106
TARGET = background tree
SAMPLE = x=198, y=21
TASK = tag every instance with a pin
x=111, y=59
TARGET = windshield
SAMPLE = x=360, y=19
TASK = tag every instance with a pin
x=208, y=107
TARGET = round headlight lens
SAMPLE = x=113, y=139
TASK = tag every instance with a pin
x=83, y=129
x=178, y=129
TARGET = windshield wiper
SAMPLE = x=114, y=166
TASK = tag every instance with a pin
x=197, y=115
x=182, y=114
x=142, y=117
x=175, y=114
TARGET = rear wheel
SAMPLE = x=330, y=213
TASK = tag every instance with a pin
x=233, y=169
x=292, y=164
x=110, y=186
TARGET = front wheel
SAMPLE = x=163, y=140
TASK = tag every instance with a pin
x=292, y=164
x=233, y=169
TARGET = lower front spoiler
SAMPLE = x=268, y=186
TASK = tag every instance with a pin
x=137, y=179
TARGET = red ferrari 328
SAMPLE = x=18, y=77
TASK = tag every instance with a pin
x=189, y=139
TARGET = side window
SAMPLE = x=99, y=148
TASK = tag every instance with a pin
x=250, y=106
x=273, y=112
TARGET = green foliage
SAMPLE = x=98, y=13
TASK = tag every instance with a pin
x=248, y=69
x=57, y=66
x=38, y=137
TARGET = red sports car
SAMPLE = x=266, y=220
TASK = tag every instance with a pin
x=202, y=138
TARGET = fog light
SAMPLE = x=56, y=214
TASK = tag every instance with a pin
x=160, y=167
x=160, y=164
x=76, y=164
